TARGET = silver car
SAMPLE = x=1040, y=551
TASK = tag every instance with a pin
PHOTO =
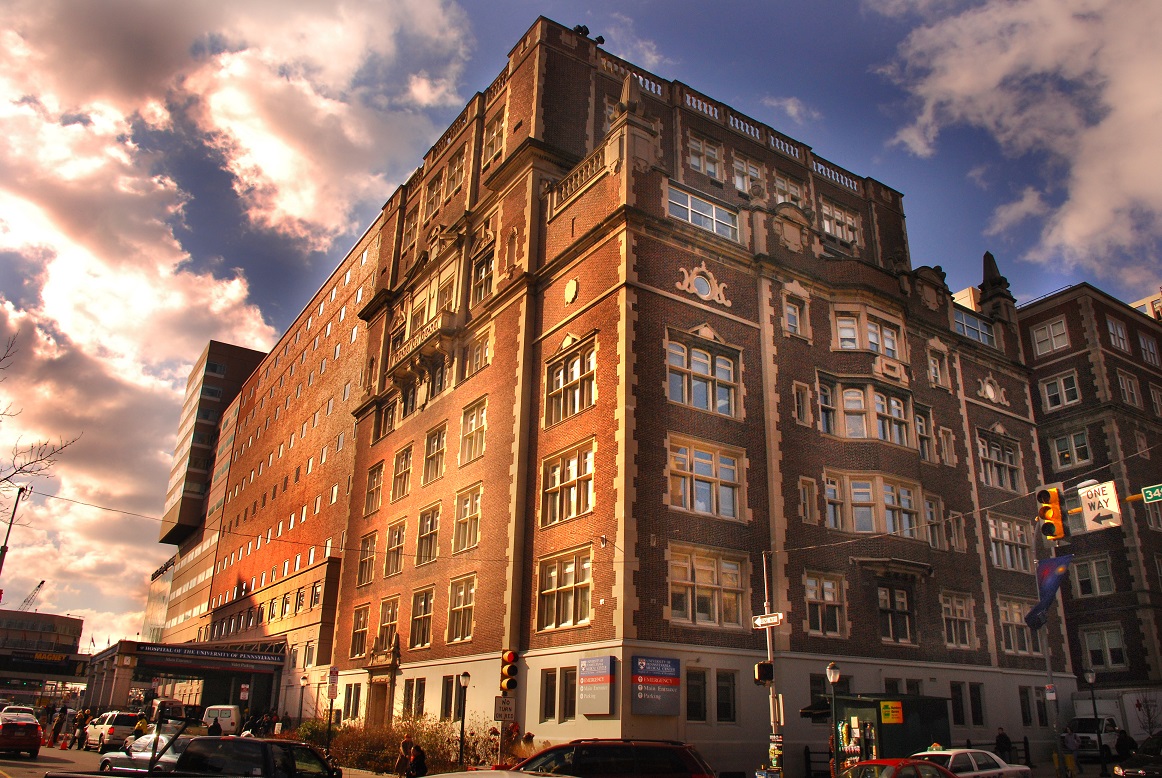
x=974, y=763
x=109, y=730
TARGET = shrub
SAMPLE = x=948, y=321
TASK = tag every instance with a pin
x=377, y=748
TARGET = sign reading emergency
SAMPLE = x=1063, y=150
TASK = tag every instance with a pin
x=891, y=712
x=655, y=686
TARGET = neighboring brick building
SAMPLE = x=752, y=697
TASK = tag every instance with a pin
x=622, y=343
x=1097, y=388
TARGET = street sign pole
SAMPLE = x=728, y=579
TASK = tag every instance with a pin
x=775, y=750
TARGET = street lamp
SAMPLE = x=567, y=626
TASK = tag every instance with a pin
x=1091, y=679
x=303, y=681
x=465, y=677
x=833, y=678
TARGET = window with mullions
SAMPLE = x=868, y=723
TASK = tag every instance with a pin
x=401, y=477
x=787, y=190
x=461, y=597
x=1129, y=386
x=1009, y=544
x=493, y=139
x=958, y=621
x=895, y=614
x=393, y=557
x=1092, y=577
x=374, y=488
x=433, y=194
x=705, y=479
x=972, y=326
x=434, y=453
x=891, y=419
x=455, y=175
x=747, y=173
x=388, y=623
x=825, y=606
x=571, y=383
x=706, y=157
x=706, y=588
x=568, y=485
x=1104, y=647
x=1071, y=449
x=481, y=278
x=1060, y=391
x=863, y=330
x=1050, y=336
x=701, y=378
x=421, y=630
x=359, y=631
x=1149, y=348
x=472, y=429
x=563, y=591
x=839, y=222
x=366, y=570
x=466, y=533
x=410, y=221
x=854, y=505
x=1000, y=462
x=703, y=213
x=1117, y=332
x=1016, y=637
x=429, y=531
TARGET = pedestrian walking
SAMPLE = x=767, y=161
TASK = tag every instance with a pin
x=1125, y=745
x=1003, y=746
x=418, y=763
x=58, y=725
x=1071, y=743
x=403, y=761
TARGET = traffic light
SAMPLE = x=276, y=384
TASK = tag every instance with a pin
x=508, y=670
x=764, y=673
x=1050, y=514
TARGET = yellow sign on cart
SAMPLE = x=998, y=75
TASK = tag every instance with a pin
x=891, y=712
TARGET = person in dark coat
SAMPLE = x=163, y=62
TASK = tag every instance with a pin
x=215, y=727
x=1125, y=745
x=1003, y=747
x=418, y=765
x=403, y=762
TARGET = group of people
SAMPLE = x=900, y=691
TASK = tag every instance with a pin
x=60, y=723
x=1124, y=746
x=411, y=762
x=261, y=724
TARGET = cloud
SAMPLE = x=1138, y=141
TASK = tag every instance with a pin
x=1071, y=82
x=793, y=108
x=623, y=41
x=1029, y=204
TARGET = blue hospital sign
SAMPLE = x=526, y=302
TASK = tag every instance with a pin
x=655, y=686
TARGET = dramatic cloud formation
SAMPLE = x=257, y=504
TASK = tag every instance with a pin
x=291, y=101
x=1068, y=81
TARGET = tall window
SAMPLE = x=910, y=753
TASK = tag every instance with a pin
x=1016, y=637
x=466, y=533
x=411, y=220
x=794, y=318
x=393, y=557
x=695, y=694
x=701, y=379
x=388, y=623
x=703, y=213
x=1104, y=647
x=1149, y=349
x=1050, y=337
x=839, y=222
x=568, y=693
x=429, y=530
x=1129, y=386
x=895, y=614
x=421, y=635
x=433, y=193
x=924, y=437
x=706, y=588
x=366, y=570
x=999, y=462
x=359, y=631
x=472, y=427
x=726, y=695
x=549, y=695
x=455, y=175
x=461, y=596
x=900, y=510
x=705, y=479
x=1118, y=337
x=891, y=419
x=1009, y=544
x=401, y=478
x=787, y=190
x=568, y=485
x=706, y=157
x=475, y=354
x=1060, y=391
x=1092, y=577
x=972, y=326
x=563, y=594
x=958, y=620
x=493, y=138
x=1072, y=449
x=825, y=611
x=883, y=338
x=481, y=278
x=374, y=488
x=571, y=383
x=434, y=453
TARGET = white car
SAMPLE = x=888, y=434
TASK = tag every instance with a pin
x=973, y=762
x=109, y=730
x=19, y=709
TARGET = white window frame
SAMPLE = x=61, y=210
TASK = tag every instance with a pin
x=461, y=601
x=1050, y=336
x=1104, y=640
x=564, y=590
x=420, y=634
x=839, y=222
x=1131, y=391
x=999, y=460
x=393, y=554
x=567, y=489
x=1070, y=450
x=1056, y=391
x=1010, y=543
x=435, y=450
x=473, y=428
x=959, y=620
x=708, y=588
x=703, y=214
x=571, y=382
x=1097, y=572
x=1016, y=637
x=466, y=530
x=703, y=376
x=973, y=326
x=401, y=473
x=697, y=468
x=825, y=605
x=428, y=535
x=706, y=157
x=1149, y=347
x=374, y=494
x=359, y=619
x=365, y=572
x=1117, y=332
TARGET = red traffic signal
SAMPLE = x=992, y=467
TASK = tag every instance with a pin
x=508, y=670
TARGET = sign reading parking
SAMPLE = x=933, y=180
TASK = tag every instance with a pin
x=1099, y=504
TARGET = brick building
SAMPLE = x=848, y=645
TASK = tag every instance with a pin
x=622, y=345
x=1097, y=389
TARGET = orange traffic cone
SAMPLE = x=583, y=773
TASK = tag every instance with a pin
x=64, y=744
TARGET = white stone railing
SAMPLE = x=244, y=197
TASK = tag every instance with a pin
x=834, y=174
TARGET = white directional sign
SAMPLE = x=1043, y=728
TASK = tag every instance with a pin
x=767, y=620
x=1099, y=504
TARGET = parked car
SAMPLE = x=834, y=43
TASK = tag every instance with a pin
x=896, y=768
x=109, y=730
x=613, y=758
x=134, y=757
x=1146, y=762
x=971, y=762
x=20, y=732
x=19, y=709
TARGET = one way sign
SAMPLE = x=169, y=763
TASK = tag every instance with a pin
x=1099, y=504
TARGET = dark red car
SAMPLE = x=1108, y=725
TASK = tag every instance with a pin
x=896, y=768
x=617, y=758
x=20, y=732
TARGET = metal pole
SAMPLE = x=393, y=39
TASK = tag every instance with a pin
x=330, y=715
x=834, y=737
x=463, y=717
x=1061, y=767
x=1097, y=727
x=775, y=749
x=20, y=490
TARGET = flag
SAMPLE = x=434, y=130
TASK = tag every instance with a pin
x=92, y=641
x=1050, y=573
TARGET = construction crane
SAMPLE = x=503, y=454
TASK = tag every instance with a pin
x=31, y=598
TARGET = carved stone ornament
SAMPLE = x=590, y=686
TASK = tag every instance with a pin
x=701, y=282
x=990, y=390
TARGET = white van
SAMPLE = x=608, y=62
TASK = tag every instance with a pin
x=229, y=718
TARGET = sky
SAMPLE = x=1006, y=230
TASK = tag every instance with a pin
x=176, y=172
